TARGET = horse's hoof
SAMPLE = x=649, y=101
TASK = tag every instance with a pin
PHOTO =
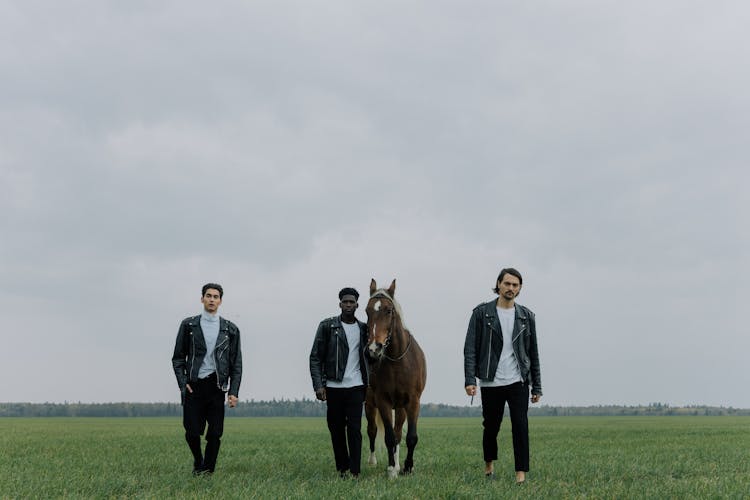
x=392, y=472
x=372, y=460
x=406, y=472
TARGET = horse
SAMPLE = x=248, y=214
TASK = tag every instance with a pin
x=398, y=372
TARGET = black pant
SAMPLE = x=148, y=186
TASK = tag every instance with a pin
x=344, y=418
x=493, y=406
x=205, y=405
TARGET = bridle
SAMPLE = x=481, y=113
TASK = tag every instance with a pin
x=384, y=294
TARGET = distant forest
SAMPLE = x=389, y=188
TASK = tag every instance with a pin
x=312, y=408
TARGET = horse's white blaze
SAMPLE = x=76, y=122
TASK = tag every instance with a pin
x=392, y=472
x=373, y=348
x=376, y=306
x=373, y=460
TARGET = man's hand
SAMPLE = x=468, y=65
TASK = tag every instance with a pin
x=321, y=394
x=471, y=390
x=189, y=389
x=232, y=401
x=535, y=398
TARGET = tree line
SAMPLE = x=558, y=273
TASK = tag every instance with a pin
x=312, y=408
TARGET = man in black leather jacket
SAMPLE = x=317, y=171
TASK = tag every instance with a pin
x=501, y=351
x=207, y=362
x=339, y=377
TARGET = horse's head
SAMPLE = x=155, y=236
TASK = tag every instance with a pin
x=382, y=317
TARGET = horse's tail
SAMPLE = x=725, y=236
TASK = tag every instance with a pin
x=380, y=439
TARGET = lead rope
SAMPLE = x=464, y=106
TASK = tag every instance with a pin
x=402, y=355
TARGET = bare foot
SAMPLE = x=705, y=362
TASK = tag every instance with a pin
x=520, y=476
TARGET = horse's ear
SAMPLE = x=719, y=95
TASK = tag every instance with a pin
x=392, y=288
x=373, y=286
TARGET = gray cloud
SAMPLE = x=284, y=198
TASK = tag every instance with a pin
x=289, y=150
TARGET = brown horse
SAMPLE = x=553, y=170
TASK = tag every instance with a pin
x=398, y=372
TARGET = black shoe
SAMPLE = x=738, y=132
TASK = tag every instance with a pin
x=198, y=467
x=202, y=471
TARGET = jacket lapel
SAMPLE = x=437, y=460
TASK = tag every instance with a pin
x=223, y=331
x=493, y=323
x=519, y=324
x=197, y=331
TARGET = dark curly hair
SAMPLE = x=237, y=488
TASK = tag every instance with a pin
x=348, y=291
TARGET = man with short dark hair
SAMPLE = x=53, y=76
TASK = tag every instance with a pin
x=339, y=377
x=501, y=351
x=207, y=362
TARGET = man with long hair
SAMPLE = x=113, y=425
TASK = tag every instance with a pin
x=501, y=351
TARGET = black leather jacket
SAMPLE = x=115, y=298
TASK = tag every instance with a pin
x=484, y=343
x=330, y=351
x=190, y=349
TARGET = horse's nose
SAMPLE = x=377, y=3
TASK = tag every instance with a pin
x=374, y=347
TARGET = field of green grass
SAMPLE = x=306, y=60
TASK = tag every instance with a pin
x=571, y=457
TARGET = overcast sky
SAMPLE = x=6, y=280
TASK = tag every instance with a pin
x=289, y=149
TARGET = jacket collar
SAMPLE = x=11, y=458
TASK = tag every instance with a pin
x=490, y=315
x=196, y=321
x=491, y=306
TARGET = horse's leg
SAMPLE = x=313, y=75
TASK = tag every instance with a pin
x=398, y=429
x=411, y=436
x=371, y=413
x=390, y=437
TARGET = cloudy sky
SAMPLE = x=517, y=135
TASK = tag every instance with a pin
x=288, y=149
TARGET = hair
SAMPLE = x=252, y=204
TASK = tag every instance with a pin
x=215, y=286
x=503, y=272
x=348, y=291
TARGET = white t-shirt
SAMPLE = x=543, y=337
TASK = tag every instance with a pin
x=507, y=368
x=352, y=374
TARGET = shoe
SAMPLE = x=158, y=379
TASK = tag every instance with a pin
x=197, y=467
x=202, y=471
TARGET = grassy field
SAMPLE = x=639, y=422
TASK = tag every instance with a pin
x=571, y=457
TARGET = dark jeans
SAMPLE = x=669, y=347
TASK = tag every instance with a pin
x=493, y=406
x=344, y=418
x=205, y=405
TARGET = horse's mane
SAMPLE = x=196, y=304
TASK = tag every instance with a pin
x=382, y=292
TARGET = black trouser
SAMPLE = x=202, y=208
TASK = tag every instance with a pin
x=493, y=406
x=205, y=405
x=344, y=418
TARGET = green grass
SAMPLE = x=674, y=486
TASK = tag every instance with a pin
x=571, y=457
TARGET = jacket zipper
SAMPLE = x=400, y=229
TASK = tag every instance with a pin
x=337, y=355
x=192, y=360
x=216, y=362
x=515, y=353
x=489, y=356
